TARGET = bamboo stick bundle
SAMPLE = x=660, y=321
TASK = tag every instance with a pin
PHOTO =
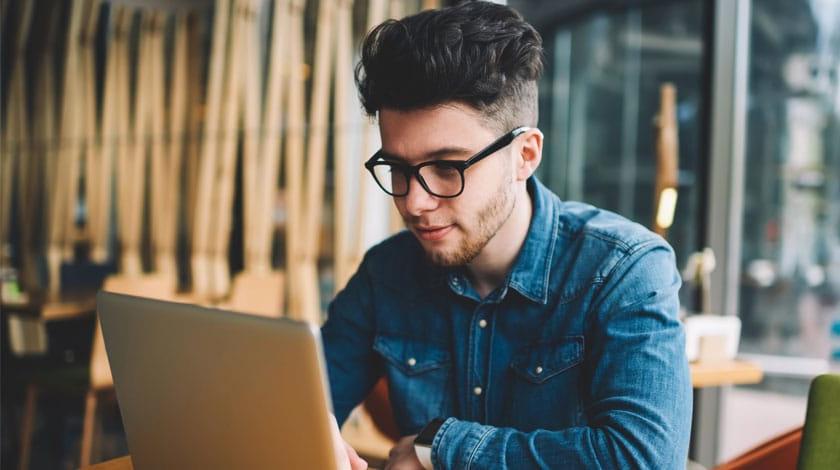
x=259, y=289
x=209, y=147
x=343, y=81
x=135, y=169
x=177, y=124
x=194, y=122
x=97, y=163
x=294, y=164
x=253, y=163
x=112, y=133
x=272, y=122
x=64, y=196
x=44, y=131
x=163, y=165
x=376, y=15
x=236, y=113
x=123, y=143
x=106, y=145
x=16, y=144
x=84, y=133
x=313, y=192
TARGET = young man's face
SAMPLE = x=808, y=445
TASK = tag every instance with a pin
x=452, y=231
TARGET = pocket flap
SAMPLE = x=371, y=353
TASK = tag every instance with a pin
x=539, y=362
x=410, y=355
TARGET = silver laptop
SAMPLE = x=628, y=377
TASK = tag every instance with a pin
x=201, y=388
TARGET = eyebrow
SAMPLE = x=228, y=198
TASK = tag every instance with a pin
x=436, y=154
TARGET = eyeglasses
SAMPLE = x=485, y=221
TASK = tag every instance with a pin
x=440, y=178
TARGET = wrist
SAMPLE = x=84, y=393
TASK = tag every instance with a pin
x=423, y=442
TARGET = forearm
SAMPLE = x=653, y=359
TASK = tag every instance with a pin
x=468, y=445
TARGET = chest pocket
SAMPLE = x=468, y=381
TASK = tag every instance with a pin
x=541, y=362
x=546, y=388
x=419, y=379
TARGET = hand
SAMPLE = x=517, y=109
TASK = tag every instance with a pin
x=345, y=455
x=356, y=462
x=403, y=457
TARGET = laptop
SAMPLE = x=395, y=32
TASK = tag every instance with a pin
x=201, y=388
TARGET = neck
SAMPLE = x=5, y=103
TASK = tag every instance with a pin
x=488, y=270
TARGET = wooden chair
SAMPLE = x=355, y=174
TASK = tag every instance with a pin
x=812, y=447
x=779, y=453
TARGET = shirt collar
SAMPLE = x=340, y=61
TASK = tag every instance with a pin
x=529, y=275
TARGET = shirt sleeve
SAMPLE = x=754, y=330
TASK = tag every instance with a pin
x=348, y=335
x=639, y=400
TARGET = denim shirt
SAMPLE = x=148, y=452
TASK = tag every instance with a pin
x=576, y=361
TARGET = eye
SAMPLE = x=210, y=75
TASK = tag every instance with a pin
x=444, y=171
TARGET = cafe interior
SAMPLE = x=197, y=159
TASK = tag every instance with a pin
x=211, y=152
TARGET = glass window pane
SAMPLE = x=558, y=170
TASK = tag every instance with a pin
x=790, y=285
x=599, y=99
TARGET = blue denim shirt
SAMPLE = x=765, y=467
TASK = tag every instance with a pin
x=576, y=361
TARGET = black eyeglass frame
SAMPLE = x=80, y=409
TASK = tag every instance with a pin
x=461, y=165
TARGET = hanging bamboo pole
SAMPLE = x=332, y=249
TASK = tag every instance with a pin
x=64, y=196
x=194, y=124
x=223, y=181
x=138, y=160
x=177, y=123
x=343, y=82
x=17, y=149
x=310, y=230
x=294, y=163
x=272, y=122
x=124, y=140
x=90, y=148
x=376, y=15
x=15, y=135
x=164, y=165
x=238, y=67
x=82, y=135
x=45, y=130
x=207, y=164
x=108, y=137
x=253, y=163
x=259, y=289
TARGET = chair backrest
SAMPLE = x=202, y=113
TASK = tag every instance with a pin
x=821, y=437
x=779, y=453
x=146, y=286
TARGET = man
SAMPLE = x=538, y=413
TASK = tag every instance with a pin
x=514, y=329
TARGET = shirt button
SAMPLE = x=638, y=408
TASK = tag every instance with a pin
x=482, y=323
x=412, y=362
x=477, y=390
x=538, y=370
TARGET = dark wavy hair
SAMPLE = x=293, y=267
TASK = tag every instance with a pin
x=479, y=53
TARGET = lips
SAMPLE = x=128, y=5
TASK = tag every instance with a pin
x=433, y=233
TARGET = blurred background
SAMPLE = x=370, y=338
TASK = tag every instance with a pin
x=211, y=152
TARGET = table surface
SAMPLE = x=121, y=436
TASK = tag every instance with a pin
x=711, y=374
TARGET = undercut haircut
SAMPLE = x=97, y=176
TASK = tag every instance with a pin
x=478, y=53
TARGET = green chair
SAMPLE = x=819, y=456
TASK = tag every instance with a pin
x=820, y=448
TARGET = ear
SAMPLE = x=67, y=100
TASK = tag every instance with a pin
x=529, y=153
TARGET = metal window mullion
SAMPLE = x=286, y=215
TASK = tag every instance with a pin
x=730, y=66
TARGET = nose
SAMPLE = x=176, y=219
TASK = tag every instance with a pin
x=418, y=200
